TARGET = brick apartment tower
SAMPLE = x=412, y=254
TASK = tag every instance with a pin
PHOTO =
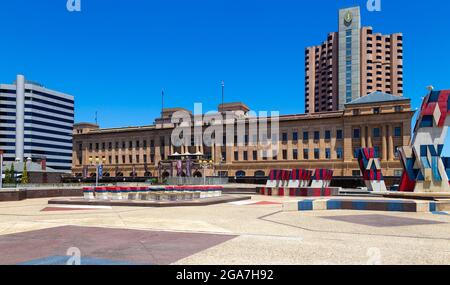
x=351, y=63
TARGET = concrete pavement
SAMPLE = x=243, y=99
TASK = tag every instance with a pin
x=257, y=232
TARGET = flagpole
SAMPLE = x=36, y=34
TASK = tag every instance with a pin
x=162, y=103
x=223, y=93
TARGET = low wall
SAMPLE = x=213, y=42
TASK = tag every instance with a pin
x=23, y=194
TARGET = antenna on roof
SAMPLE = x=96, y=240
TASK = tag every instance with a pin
x=96, y=117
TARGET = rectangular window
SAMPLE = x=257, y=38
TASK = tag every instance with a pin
x=328, y=135
x=356, y=173
x=295, y=154
x=284, y=154
x=245, y=155
x=295, y=136
x=356, y=133
x=328, y=153
x=255, y=155
x=130, y=157
x=376, y=132
x=285, y=137
x=145, y=158
x=123, y=159
x=339, y=153
x=236, y=156
x=316, y=135
x=316, y=153
x=339, y=135
x=398, y=132
x=117, y=159
x=305, y=154
x=305, y=136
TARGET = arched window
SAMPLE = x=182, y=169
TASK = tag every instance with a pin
x=119, y=174
x=148, y=174
x=197, y=174
x=165, y=174
x=260, y=173
x=240, y=173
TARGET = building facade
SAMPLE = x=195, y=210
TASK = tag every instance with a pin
x=36, y=123
x=352, y=63
x=325, y=140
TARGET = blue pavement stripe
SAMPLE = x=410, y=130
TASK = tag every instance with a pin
x=432, y=206
x=305, y=205
x=62, y=260
x=395, y=206
x=334, y=204
x=441, y=213
x=359, y=205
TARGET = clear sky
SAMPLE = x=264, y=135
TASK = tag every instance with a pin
x=116, y=56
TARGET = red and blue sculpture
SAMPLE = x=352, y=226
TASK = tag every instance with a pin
x=371, y=170
x=425, y=170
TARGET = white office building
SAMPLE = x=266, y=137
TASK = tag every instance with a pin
x=36, y=123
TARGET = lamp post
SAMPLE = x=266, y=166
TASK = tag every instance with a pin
x=205, y=164
x=1, y=169
x=98, y=164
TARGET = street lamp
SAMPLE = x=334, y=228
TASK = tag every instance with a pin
x=205, y=164
x=1, y=169
x=98, y=164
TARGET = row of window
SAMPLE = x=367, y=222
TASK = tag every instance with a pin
x=123, y=159
x=284, y=154
x=376, y=132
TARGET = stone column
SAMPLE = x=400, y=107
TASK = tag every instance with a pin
x=383, y=144
x=363, y=136
x=369, y=137
x=390, y=143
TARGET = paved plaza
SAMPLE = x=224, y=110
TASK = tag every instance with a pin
x=255, y=232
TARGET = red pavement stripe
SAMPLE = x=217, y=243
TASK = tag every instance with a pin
x=57, y=209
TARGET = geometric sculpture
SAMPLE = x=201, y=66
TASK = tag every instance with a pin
x=296, y=182
x=300, y=178
x=322, y=178
x=371, y=169
x=424, y=168
x=284, y=183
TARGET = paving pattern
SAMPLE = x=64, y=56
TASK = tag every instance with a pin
x=253, y=232
x=381, y=220
x=97, y=245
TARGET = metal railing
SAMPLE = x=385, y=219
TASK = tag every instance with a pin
x=196, y=181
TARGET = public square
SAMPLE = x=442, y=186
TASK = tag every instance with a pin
x=251, y=232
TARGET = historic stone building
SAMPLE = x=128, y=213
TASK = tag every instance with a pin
x=319, y=140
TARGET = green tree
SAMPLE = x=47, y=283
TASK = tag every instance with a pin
x=9, y=175
x=24, y=179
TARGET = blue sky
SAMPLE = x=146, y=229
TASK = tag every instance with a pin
x=116, y=56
